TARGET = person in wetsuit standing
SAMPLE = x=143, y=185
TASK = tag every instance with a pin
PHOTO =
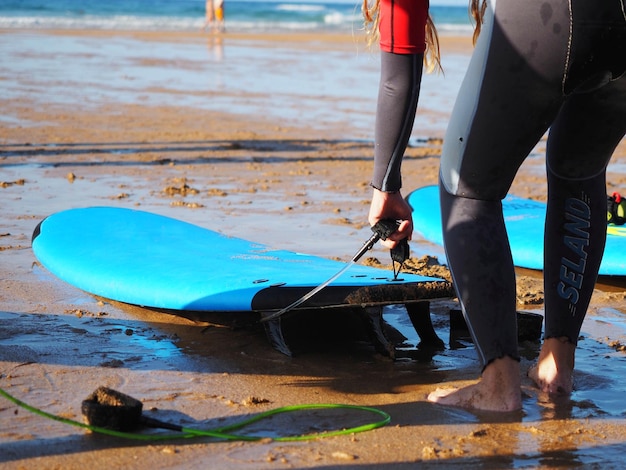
x=537, y=65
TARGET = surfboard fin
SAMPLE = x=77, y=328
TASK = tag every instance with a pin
x=374, y=325
x=274, y=333
x=382, y=344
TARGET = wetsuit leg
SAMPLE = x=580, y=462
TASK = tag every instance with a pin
x=581, y=142
x=518, y=82
x=574, y=243
x=398, y=93
x=483, y=274
x=503, y=108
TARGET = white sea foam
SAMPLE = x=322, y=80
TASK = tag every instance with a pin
x=300, y=7
x=163, y=15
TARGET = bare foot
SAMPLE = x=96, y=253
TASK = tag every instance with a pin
x=554, y=370
x=499, y=389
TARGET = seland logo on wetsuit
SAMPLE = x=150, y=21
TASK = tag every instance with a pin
x=576, y=239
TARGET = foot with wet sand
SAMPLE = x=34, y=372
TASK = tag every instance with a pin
x=499, y=389
x=553, y=372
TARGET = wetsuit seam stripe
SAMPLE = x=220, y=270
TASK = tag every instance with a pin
x=569, y=46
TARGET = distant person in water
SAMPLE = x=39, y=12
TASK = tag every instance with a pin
x=210, y=15
x=214, y=21
x=219, y=16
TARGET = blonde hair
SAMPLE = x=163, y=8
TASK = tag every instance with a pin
x=432, y=57
x=477, y=11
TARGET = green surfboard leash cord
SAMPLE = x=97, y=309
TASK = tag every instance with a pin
x=224, y=432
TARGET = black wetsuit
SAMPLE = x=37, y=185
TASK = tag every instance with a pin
x=538, y=65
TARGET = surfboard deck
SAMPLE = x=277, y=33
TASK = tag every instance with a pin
x=524, y=219
x=146, y=259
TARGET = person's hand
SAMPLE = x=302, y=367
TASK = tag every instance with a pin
x=391, y=206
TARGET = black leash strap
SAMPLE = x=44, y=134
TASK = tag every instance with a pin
x=382, y=229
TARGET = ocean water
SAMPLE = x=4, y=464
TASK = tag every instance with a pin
x=185, y=15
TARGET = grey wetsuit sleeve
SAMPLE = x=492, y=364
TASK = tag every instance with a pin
x=398, y=93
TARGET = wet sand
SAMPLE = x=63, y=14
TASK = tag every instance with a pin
x=267, y=138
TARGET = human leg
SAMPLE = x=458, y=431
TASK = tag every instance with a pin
x=210, y=15
x=581, y=142
x=505, y=105
x=480, y=260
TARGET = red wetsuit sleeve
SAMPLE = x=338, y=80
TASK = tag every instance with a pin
x=402, y=26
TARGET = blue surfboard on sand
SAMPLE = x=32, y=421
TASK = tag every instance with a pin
x=524, y=219
x=149, y=260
